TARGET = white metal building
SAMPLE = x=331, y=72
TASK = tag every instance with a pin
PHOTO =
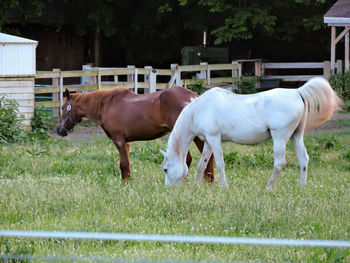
x=17, y=71
x=17, y=55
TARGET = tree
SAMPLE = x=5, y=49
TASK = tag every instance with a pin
x=242, y=19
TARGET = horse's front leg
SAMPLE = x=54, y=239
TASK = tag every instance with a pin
x=209, y=169
x=206, y=153
x=123, y=148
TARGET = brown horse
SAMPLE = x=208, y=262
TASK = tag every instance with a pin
x=126, y=116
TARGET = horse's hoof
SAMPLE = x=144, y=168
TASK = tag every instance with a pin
x=224, y=184
x=268, y=187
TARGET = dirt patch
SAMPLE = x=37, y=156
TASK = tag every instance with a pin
x=81, y=131
x=332, y=124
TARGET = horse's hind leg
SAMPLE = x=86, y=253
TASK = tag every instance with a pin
x=303, y=158
x=209, y=169
x=123, y=149
x=279, y=151
x=215, y=145
x=203, y=161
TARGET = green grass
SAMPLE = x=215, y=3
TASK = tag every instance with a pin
x=75, y=185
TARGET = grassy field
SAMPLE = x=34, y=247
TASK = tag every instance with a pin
x=75, y=185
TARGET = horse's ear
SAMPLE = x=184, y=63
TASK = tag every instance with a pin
x=164, y=153
x=67, y=93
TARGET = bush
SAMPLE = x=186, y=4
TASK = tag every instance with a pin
x=197, y=86
x=341, y=83
x=10, y=121
x=41, y=124
x=246, y=84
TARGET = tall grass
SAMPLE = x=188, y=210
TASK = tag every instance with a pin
x=75, y=185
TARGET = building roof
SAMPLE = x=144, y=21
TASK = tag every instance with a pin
x=13, y=40
x=338, y=14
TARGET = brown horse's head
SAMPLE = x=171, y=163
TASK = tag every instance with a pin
x=69, y=117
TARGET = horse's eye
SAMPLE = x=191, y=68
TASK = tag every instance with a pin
x=165, y=170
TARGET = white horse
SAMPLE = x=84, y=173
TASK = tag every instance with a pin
x=219, y=115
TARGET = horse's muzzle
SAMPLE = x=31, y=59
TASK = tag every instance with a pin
x=61, y=131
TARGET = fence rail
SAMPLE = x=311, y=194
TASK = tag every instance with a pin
x=152, y=238
x=150, y=79
x=323, y=67
x=175, y=238
x=90, y=79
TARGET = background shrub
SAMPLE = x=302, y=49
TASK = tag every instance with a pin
x=41, y=124
x=197, y=86
x=341, y=83
x=246, y=84
x=10, y=121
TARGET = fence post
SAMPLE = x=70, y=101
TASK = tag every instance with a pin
x=258, y=69
x=234, y=74
x=326, y=69
x=61, y=92
x=177, y=73
x=203, y=73
x=147, y=79
x=333, y=36
x=98, y=79
x=208, y=75
x=136, y=86
x=153, y=81
x=339, y=66
x=258, y=73
x=130, y=77
x=346, y=53
x=55, y=96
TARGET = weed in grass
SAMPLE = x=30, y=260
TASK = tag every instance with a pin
x=149, y=152
x=346, y=154
x=343, y=122
x=329, y=255
x=263, y=158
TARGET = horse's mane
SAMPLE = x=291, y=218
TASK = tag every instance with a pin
x=184, y=118
x=96, y=100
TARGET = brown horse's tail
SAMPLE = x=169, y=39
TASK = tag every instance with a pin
x=321, y=100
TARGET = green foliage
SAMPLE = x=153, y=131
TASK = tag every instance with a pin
x=329, y=255
x=228, y=21
x=22, y=249
x=240, y=25
x=149, y=153
x=346, y=155
x=197, y=86
x=41, y=124
x=264, y=158
x=341, y=83
x=10, y=122
x=246, y=84
x=26, y=10
x=327, y=141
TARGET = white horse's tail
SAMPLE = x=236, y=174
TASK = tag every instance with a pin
x=321, y=100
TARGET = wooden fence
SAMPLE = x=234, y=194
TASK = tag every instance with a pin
x=273, y=69
x=148, y=79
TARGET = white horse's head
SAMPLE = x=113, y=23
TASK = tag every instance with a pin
x=175, y=170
